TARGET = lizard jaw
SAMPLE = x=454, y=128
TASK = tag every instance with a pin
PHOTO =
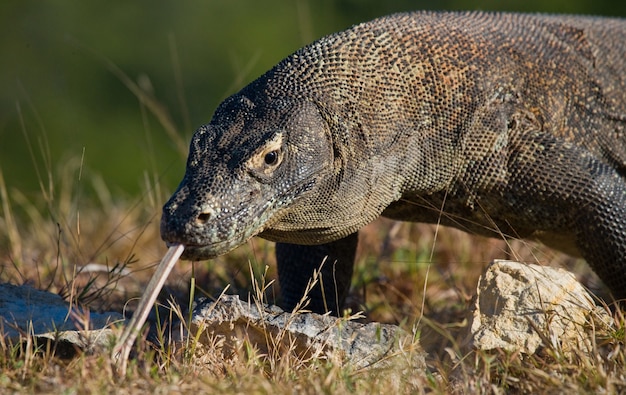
x=203, y=248
x=194, y=252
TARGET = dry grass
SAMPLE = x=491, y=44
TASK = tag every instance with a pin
x=96, y=250
x=394, y=282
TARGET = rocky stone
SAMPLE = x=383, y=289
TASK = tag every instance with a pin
x=519, y=307
x=230, y=322
x=522, y=307
x=28, y=311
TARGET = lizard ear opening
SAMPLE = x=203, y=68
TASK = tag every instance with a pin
x=338, y=135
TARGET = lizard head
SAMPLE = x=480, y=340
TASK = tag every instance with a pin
x=244, y=170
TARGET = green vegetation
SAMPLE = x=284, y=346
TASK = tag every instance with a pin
x=98, y=102
x=58, y=87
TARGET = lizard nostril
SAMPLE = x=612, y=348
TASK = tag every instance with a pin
x=204, y=217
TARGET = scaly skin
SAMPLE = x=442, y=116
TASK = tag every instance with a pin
x=497, y=124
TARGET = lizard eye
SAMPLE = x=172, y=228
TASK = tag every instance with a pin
x=267, y=159
x=271, y=158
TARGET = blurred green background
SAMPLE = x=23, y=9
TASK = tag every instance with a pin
x=61, y=102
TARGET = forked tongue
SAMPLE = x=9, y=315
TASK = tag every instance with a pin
x=121, y=351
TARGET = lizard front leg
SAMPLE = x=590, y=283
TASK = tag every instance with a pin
x=296, y=264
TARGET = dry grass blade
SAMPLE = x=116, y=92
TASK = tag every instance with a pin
x=11, y=227
x=121, y=351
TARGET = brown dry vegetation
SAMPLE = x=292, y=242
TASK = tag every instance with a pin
x=410, y=274
x=418, y=276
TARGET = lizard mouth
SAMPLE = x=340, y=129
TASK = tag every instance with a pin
x=196, y=252
x=218, y=237
x=203, y=251
x=198, y=246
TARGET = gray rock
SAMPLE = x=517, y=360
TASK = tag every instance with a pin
x=521, y=307
x=28, y=311
x=307, y=334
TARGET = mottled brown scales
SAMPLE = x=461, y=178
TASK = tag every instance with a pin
x=497, y=124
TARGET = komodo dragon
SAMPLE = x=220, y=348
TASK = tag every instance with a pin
x=494, y=123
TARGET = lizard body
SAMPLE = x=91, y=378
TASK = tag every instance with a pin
x=498, y=124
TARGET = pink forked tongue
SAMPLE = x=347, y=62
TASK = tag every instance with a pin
x=121, y=351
